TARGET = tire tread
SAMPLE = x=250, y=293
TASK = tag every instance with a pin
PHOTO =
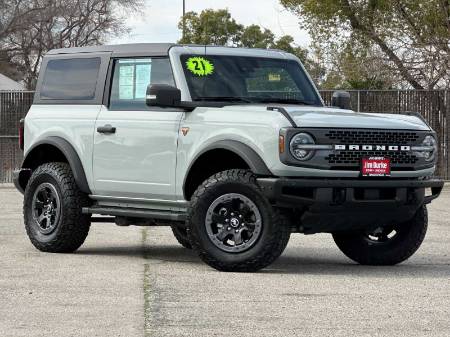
x=276, y=242
x=74, y=226
x=355, y=249
x=181, y=237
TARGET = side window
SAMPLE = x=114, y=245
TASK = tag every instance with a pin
x=131, y=78
x=70, y=79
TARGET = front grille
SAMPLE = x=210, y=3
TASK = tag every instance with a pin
x=372, y=137
x=349, y=157
x=352, y=159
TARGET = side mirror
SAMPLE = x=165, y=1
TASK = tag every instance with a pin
x=163, y=95
x=341, y=99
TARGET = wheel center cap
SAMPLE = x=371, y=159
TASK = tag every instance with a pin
x=234, y=222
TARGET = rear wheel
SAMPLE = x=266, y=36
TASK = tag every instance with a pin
x=52, y=209
x=386, y=245
x=232, y=226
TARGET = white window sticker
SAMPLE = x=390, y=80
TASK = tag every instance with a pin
x=143, y=72
x=126, y=74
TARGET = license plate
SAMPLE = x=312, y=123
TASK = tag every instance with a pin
x=376, y=167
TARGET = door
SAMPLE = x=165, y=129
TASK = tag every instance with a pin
x=134, y=145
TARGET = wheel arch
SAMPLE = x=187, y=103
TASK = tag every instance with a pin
x=236, y=155
x=53, y=149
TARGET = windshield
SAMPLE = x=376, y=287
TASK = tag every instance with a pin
x=247, y=80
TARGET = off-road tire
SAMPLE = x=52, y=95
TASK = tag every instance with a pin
x=274, y=235
x=410, y=236
x=73, y=226
x=180, y=234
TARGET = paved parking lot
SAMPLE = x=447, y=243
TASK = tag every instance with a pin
x=139, y=282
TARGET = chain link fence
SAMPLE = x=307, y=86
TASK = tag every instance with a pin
x=433, y=105
x=13, y=106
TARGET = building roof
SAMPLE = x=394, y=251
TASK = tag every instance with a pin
x=8, y=84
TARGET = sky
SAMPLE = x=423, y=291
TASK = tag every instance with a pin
x=159, y=20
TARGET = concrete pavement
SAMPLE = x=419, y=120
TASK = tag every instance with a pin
x=140, y=282
x=83, y=294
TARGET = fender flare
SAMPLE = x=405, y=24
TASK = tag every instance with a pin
x=72, y=157
x=251, y=158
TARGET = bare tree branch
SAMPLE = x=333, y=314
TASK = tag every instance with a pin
x=29, y=28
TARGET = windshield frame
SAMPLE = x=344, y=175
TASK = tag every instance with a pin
x=177, y=52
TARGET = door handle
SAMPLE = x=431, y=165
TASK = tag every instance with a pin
x=107, y=129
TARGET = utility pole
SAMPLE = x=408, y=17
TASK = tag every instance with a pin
x=184, y=19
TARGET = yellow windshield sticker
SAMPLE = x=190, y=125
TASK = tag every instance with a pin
x=200, y=66
x=274, y=77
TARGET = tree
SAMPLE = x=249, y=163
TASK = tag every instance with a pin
x=255, y=37
x=411, y=38
x=15, y=15
x=7, y=68
x=357, y=67
x=210, y=27
x=51, y=24
x=217, y=27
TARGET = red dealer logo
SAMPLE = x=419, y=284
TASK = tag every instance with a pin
x=376, y=167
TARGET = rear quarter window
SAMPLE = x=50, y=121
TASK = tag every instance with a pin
x=70, y=79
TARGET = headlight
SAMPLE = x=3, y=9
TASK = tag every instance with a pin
x=428, y=149
x=299, y=146
x=430, y=142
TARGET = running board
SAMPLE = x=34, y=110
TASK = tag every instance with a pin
x=135, y=213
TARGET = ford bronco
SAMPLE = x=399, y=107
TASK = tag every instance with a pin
x=232, y=148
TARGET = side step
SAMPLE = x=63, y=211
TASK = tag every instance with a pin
x=135, y=213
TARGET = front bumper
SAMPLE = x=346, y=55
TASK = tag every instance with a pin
x=329, y=205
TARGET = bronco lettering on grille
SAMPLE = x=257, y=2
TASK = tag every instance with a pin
x=372, y=148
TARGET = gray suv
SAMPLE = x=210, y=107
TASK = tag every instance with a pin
x=232, y=148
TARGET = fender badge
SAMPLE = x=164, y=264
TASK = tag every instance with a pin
x=185, y=130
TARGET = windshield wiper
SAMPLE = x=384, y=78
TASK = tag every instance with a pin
x=223, y=99
x=282, y=100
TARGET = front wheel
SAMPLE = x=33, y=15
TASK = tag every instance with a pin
x=232, y=226
x=180, y=234
x=386, y=245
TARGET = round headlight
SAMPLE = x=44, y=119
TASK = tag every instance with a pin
x=430, y=141
x=299, y=146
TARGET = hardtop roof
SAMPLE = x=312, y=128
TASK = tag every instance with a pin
x=131, y=49
x=141, y=49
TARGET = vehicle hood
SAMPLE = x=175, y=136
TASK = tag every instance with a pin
x=338, y=118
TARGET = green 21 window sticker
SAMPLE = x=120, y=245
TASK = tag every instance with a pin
x=200, y=66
